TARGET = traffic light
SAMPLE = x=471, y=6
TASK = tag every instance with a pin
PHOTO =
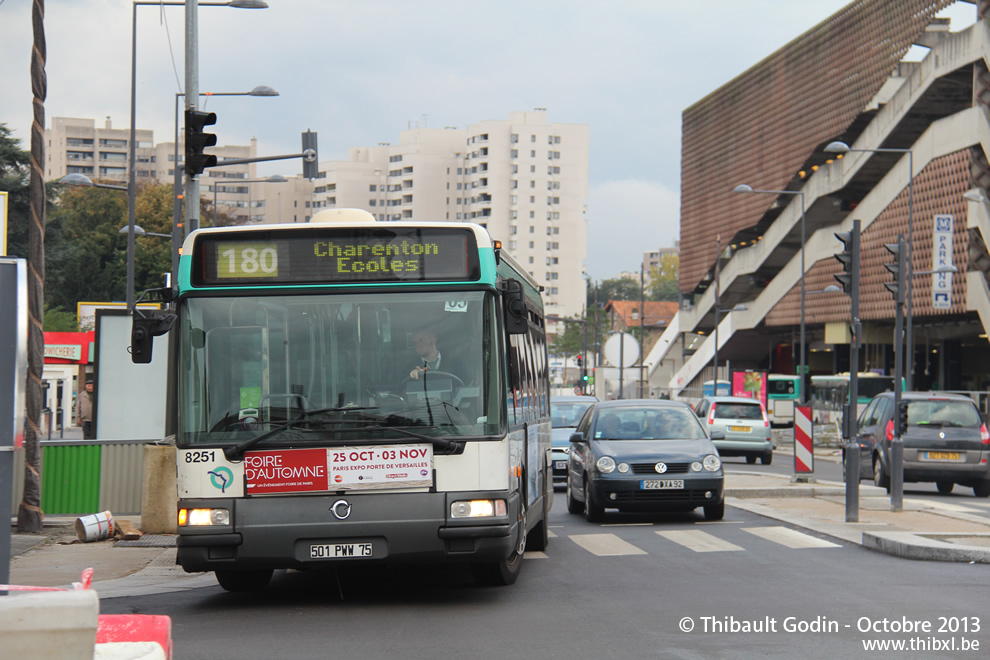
x=849, y=258
x=900, y=427
x=896, y=287
x=580, y=360
x=310, y=164
x=197, y=141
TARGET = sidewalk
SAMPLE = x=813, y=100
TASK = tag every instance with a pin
x=929, y=529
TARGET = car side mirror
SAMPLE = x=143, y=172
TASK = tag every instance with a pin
x=577, y=437
x=717, y=435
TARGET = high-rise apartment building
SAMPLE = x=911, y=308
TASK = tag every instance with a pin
x=523, y=179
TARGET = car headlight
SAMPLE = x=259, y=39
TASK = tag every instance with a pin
x=605, y=464
x=712, y=463
x=623, y=467
x=696, y=466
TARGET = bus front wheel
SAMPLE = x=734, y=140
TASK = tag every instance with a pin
x=242, y=581
x=498, y=574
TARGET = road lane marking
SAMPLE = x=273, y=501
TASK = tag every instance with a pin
x=551, y=534
x=535, y=554
x=699, y=541
x=789, y=537
x=606, y=545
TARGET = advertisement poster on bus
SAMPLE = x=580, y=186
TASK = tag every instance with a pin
x=750, y=384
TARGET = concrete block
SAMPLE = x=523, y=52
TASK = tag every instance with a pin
x=159, y=495
x=49, y=625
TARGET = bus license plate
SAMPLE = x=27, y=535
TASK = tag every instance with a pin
x=663, y=484
x=560, y=465
x=338, y=550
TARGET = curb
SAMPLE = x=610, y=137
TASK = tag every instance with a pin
x=924, y=547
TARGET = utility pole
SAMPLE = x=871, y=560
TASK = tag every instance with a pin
x=896, y=451
x=191, y=192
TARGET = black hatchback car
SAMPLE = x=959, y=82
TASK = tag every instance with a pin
x=643, y=455
x=946, y=441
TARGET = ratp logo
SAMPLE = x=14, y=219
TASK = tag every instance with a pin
x=221, y=478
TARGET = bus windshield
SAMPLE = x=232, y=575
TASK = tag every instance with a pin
x=338, y=368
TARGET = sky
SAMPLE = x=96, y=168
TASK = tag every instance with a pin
x=360, y=71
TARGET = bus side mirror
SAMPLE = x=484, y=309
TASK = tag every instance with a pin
x=514, y=307
x=145, y=326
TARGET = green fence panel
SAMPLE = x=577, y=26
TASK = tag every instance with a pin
x=70, y=479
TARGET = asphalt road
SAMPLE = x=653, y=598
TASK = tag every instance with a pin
x=622, y=589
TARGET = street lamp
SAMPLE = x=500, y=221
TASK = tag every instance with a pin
x=842, y=148
x=131, y=142
x=178, y=233
x=718, y=312
x=743, y=188
x=275, y=178
x=139, y=231
x=85, y=181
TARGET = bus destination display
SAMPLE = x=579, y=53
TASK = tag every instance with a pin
x=337, y=255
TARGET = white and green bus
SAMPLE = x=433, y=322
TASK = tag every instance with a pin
x=310, y=431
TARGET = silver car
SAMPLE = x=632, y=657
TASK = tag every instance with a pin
x=745, y=425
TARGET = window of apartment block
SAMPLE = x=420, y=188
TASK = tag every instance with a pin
x=532, y=214
x=532, y=244
x=513, y=199
x=532, y=169
x=372, y=188
x=513, y=184
x=531, y=260
x=460, y=171
x=532, y=184
x=484, y=151
x=532, y=138
x=532, y=153
x=371, y=202
x=514, y=153
x=514, y=169
x=532, y=199
x=532, y=229
x=513, y=245
x=79, y=142
x=514, y=138
x=395, y=159
x=512, y=230
x=513, y=214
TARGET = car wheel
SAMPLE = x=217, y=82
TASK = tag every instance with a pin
x=944, y=487
x=573, y=505
x=593, y=511
x=767, y=458
x=715, y=511
x=982, y=489
x=500, y=573
x=244, y=581
x=751, y=460
x=880, y=479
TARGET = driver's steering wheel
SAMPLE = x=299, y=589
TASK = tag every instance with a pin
x=458, y=383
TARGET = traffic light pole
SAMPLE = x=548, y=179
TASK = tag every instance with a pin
x=853, y=456
x=896, y=453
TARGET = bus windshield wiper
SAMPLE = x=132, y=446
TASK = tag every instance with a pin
x=237, y=451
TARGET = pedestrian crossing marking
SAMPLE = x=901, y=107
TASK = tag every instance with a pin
x=699, y=541
x=551, y=534
x=606, y=545
x=789, y=537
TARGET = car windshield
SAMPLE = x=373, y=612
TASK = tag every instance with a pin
x=567, y=414
x=731, y=410
x=648, y=423
x=943, y=413
x=338, y=368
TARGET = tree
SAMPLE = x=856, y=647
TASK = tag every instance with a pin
x=618, y=288
x=59, y=320
x=664, y=279
x=14, y=163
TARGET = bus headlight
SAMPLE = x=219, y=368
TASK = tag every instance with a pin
x=477, y=508
x=605, y=464
x=191, y=517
